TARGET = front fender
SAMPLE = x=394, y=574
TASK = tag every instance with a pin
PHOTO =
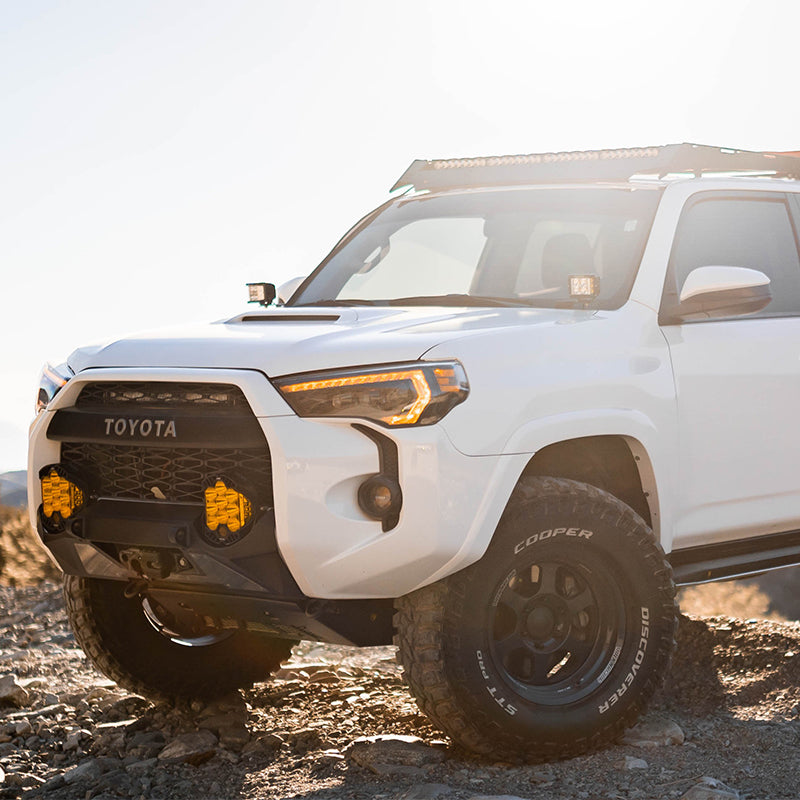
x=639, y=432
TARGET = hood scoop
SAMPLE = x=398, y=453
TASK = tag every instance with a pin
x=286, y=318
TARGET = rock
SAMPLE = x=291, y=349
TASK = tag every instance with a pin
x=117, y=781
x=381, y=751
x=324, y=676
x=103, y=693
x=89, y=770
x=299, y=671
x=56, y=782
x=542, y=776
x=710, y=789
x=118, y=725
x=230, y=704
x=629, y=762
x=268, y=743
x=218, y=721
x=50, y=711
x=331, y=756
x=141, y=768
x=426, y=791
x=144, y=738
x=396, y=770
x=495, y=797
x=234, y=737
x=11, y=693
x=74, y=739
x=654, y=733
x=145, y=745
x=306, y=739
x=190, y=748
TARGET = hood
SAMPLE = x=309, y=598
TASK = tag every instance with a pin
x=287, y=340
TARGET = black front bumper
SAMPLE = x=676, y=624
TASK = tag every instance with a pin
x=156, y=547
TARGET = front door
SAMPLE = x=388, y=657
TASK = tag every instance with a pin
x=738, y=379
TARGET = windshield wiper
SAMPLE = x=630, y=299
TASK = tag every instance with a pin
x=459, y=300
x=339, y=303
x=475, y=300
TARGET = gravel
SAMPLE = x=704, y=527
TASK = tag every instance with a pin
x=338, y=723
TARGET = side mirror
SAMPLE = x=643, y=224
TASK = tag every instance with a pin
x=286, y=290
x=712, y=292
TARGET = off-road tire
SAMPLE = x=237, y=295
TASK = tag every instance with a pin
x=572, y=575
x=119, y=640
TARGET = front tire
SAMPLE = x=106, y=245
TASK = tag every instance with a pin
x=554, y=642
x=121, y=637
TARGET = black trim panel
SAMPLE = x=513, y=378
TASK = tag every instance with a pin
x=158, y=429
x=389, y=465
x=735, y=559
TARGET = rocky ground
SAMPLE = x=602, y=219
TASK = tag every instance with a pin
x=338, y=723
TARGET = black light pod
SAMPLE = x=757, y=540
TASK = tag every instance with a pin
x=261, y=293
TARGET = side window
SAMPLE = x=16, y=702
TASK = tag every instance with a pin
x=738, y=232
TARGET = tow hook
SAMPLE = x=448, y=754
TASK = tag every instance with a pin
x=148, y=564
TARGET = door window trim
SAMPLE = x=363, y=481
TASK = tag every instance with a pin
x=670, y=290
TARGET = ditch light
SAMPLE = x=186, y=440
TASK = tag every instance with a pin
x=261, y=293
x=584, y=286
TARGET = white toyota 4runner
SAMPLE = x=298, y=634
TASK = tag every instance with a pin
x=513, y=409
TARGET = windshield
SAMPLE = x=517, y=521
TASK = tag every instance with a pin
x=492, y=247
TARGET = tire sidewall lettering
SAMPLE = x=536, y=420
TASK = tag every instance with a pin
x=567, y=531
x=495, y=690
x=635, y=666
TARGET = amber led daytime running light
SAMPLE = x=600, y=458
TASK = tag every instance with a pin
x=416, y=376
x=446, y=378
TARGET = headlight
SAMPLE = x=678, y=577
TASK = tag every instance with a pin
x=51, y=381
x=403, y=394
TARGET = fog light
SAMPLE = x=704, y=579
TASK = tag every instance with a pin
x=228, y=512
x=61, y=498
x=380, y=497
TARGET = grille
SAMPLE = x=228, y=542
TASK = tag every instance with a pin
x=179, y=475
x=159, y=395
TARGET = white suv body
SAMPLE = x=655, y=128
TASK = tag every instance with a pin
x=688, y=419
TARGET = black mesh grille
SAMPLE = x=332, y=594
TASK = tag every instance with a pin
x=143, y=473
x=158, y=395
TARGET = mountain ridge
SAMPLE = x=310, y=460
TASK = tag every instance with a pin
x=14, y=488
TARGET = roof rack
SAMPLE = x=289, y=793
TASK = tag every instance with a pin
x=594, y=165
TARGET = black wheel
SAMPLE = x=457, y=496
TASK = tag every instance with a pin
x=127, y=640
x=554, y=642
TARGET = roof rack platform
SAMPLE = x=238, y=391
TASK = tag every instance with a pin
x=596, y=165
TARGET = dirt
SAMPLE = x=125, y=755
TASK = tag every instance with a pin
x=23, y=560
x=733, y=692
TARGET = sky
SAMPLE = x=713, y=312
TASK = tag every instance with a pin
x=156, y=155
